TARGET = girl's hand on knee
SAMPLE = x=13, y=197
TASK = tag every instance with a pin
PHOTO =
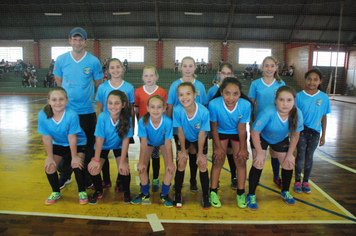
x=48, y=162
x=170, y=168
x=202, y=161
x=93, y=166
x=219, y=155
x=124, y=169
x=77, y=162
x=259, y=161
x=182, y=155
x=141, y=168
x=243, y=153
x=289, y=162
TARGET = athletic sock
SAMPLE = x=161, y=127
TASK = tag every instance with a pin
x=96, y=179
x=80, y=178
x=148, y=168
x=193, y=168
x=286, y=177
x=275, y=167
x=230, y=159
x=125, y=179
x=178, y=181
x=53, y=181
x=165, y=189
x=106, y=172
x=254, y=178
x=155, y=167
x=204, y=181
x=240, y=191
x=145, y=189
x=215, y=190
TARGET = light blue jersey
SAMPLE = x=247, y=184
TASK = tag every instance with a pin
x=273, y=129
x=156, y=136
x=212, y=91
x=69, y=124
x=263, y=94
x=228, y=120
x=199, y=89
x=78, y=80
x=191, y=127
x=106, y=87
x=313, y=108
x=105, y=128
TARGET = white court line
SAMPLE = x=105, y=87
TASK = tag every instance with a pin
x=87, y=217
x=335, y=163
x=155, y=222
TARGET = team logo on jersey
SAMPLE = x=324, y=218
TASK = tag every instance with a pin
x=67, y=128
x=275, y=92
x=197, y=126
x=198, y=92
x=239, y=117
x=318, y=102
x=163, y=132
x=258, y=123
x=86, y=70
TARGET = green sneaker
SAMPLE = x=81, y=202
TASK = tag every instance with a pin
x=215, y=200
x=155, y=185
x=52, y=198
x=140, y=198
x=83, y=197
x=241, y=201
x=167, y=201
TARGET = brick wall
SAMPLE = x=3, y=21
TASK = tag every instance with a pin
x=298, y=58
x=28, y=49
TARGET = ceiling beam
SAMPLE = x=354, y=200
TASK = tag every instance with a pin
x=158, y=31
x=230, y=20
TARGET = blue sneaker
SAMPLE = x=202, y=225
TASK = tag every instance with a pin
x=251, y=202
x=140, y=198
x=288, y=197
x=306, y=187
x=167, y=201
x=297, y=187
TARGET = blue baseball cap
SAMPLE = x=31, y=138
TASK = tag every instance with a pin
x=78, y=31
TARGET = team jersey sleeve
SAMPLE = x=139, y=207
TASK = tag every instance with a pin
x=176, y=117
x=212, y=111
x=100, y=94
x=41, y=128
x=300, y=125
x=142, y=132
x=172, y=95
x=98, y=71
x=100, y=127
x=131, y=95
x=252, y=91
x=328, y=109
x=74, y=124
x=205, y=124
x=246, y=112
x=261, y=121
x=204, y=99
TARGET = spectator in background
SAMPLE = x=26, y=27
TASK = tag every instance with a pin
x=248, y=72
x=126, y=65
x=176, y=65
x=48, y=79
x=51, y=65
x=17, y=68
x=33, y=78
x=290, y=71
x=7, y=66
x=255, y=68
x=209, y=67
x=202, y=66
x=25, y=80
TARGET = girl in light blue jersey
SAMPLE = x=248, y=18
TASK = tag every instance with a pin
x=113, y=131
x=192, y=120
x=115, y=70
x=273, y=127
x=314, y=105
x=62, y=138
x=229, y=113
x=262, y=93
x=155, y=130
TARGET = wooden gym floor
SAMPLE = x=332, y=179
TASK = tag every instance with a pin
x=329, y=210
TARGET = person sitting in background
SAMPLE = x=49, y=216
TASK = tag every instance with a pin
x=30, y=68
x=202, y=66
x=209, y=67
x=33, y=79
x=126, y=65
x=175, y=66
x=290, y=71
x=7, y=66
x=17, y=68
x=255, y=68
x=51, y=65
x=25, y=79
x=248, y=72
x=48, y=79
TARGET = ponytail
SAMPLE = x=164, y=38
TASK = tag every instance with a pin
x=48, y=111
x=146, y=117
x=293, y=119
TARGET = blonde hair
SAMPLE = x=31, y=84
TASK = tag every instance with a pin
x=151, y=68
x=48, y=109
x=276, y=74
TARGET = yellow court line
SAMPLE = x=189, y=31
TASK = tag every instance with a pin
x=336, y=164
x=177, y=221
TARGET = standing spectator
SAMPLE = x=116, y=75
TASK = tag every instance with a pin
x=176, y=65
x=77, y=71
x=48, y=79
x=202, y=66
x=126, y=65
x=51, y=65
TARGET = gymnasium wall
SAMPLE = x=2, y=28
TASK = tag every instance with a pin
x=298, y=57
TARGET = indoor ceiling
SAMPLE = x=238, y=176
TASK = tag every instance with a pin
x=290, y=21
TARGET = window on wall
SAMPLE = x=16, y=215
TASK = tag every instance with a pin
x=56, y=51
x=132, y=54
x=197, y=53
x=11, y=54
x=251, y=55
x=321, y=58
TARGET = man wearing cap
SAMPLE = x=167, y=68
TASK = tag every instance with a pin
x=80, y=74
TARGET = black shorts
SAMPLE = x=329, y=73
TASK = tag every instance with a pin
x=65, y=150
x=230, y=137
x=187, y=144
x=105, y=153
x=282, y=146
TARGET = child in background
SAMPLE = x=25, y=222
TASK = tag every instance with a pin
x=155, y=130
x=262, y=93
x=229, y=113
x=225, y=71
x=192, y=120
x=315, y=105
x=113, y=131
x=273, y=127
x=188, y=68
x=116, y=72
x=62, y=138
x=142, y=94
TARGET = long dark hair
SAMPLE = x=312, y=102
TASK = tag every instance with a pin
x=226, y=82
x=293, y=114
x=316, y=71
x=147, y=115
x=125, y=114
x=276, y=74
x=48, y=109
